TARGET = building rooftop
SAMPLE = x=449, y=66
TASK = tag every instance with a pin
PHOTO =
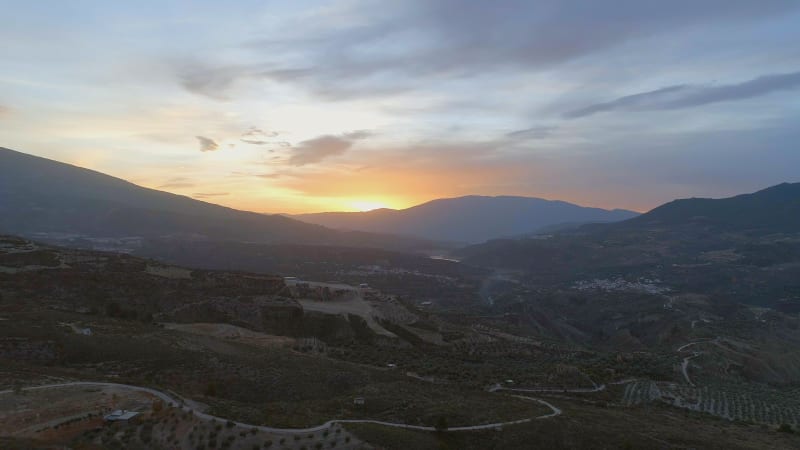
x=121, y=414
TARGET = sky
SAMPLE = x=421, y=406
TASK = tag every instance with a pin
x=304, y=106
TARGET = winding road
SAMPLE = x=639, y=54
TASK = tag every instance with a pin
x=686, y=360
x=598, y=388
x=181, y=404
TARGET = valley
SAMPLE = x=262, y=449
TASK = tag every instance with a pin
x=670, y=320
x=279, y=354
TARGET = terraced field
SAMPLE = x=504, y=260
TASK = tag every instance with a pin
x=746, y=403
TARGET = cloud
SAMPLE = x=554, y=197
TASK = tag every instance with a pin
x=374, y=49
x=258, y=136
x=538, y=132
x=209, y=194
x=687, y=96
x=177, y=185
x=207, y=144
x=421, y=170
x=4, y=111
x=358, y=135
x=315, y=150
x=216, y=81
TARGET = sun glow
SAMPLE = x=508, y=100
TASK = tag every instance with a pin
x=367, y=205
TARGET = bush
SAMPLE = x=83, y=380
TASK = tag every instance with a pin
x=785, y=428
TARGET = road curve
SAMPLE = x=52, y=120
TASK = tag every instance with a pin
x=180, y=404
x=598, y=388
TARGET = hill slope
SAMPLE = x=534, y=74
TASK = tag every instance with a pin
x=743, y=249
x=39, y=195
x=774, y=209
x=468, y=219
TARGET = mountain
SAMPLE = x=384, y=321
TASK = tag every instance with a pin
x=742, y=249
x=774, y=209
x=468, y=219
x=39, y=197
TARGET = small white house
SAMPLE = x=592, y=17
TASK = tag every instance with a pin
x=121, y=415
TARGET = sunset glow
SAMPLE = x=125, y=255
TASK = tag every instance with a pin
x=366, y=205
x=312, y=106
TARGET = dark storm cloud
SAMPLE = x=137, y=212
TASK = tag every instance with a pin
x=687, y=96
x=404, y=45
x=207, y=144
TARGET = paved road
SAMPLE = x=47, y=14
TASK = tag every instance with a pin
x=685, y=346
x=685, y=367
x=181, y=404
x=599, y=388
x=685, y=363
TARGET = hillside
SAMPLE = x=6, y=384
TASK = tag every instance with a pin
x=44, y=197
x=743, y=249
x=468, y=219
x=256, y=361
x=774, y=209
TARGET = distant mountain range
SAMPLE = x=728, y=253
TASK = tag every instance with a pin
x=39, y=195
x=468, y=219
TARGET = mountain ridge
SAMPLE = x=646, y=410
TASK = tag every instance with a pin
x=775, y=208
x=471, y=218
x=47, y=196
